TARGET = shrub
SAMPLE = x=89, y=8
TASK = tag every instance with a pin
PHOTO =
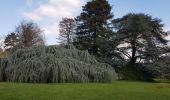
x=139, y=72
x=54, y=64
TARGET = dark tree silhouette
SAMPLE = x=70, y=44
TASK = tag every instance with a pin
x=140, y=38
x=11, y=41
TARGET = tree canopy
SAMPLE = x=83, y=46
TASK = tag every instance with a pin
x=140, y=36
x=11, y=41
x=67, y=30
x=139, y=39
x=93, y=25
x=29, y=34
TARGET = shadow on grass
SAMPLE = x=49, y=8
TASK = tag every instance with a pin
x=148, y=81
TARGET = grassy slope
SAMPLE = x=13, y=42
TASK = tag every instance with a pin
x=112, y=91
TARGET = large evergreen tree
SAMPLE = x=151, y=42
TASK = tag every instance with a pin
x=93, y=26
x=140, y=38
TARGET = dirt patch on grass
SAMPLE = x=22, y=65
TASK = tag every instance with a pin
x=163, y=85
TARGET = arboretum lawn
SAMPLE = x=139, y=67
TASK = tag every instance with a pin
x=118, y=90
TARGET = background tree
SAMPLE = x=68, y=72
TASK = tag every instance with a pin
x=30, y=34
x=140, y=38
x=93, y=25
x=1, y=45
x=67, y=30
x=11, y=41
x=3, y=52
x=1, y=42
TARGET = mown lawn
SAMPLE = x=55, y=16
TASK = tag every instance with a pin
x=94, y=91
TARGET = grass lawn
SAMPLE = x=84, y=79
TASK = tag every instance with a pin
x=117, y=90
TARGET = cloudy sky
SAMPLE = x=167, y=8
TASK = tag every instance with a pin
x=48, y=13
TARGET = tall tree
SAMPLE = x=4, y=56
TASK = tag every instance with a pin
x=140, y=37
x=1, y=44
x=2, y=41
x=67, y=30
x=11, y=41
x=93, y=25
x=30, y=34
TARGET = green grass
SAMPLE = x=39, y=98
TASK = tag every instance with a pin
x=117, y=90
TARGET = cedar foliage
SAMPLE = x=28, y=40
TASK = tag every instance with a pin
x=140, y=38
x=11, y=41
x=93, y=26
x=54, y=64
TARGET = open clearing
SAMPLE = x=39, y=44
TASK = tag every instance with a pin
x=118, y=90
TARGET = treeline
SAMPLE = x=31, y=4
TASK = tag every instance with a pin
x=134, y=45
x=26, y=34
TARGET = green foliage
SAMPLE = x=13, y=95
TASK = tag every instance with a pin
x=54, y=64
x=137, y=73
x=139, y=39
x=3, y=64
x=93, y=25
x=161, y=68
x=11, y=41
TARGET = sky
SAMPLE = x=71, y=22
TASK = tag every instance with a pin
x=48, y=13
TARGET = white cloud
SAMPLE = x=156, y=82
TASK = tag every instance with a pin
x=31, y=16
x=167, y=28
x=51, y=29
x=52, y=11
x=54, y=8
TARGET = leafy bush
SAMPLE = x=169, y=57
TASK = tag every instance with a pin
x=139, y=72
x=54, y=64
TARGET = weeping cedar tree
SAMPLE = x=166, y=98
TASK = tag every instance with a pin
x=93, y=25
x=54, y=64
x=67, y=30
x=140, y=38
x=29, y=34
x=162, y=68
